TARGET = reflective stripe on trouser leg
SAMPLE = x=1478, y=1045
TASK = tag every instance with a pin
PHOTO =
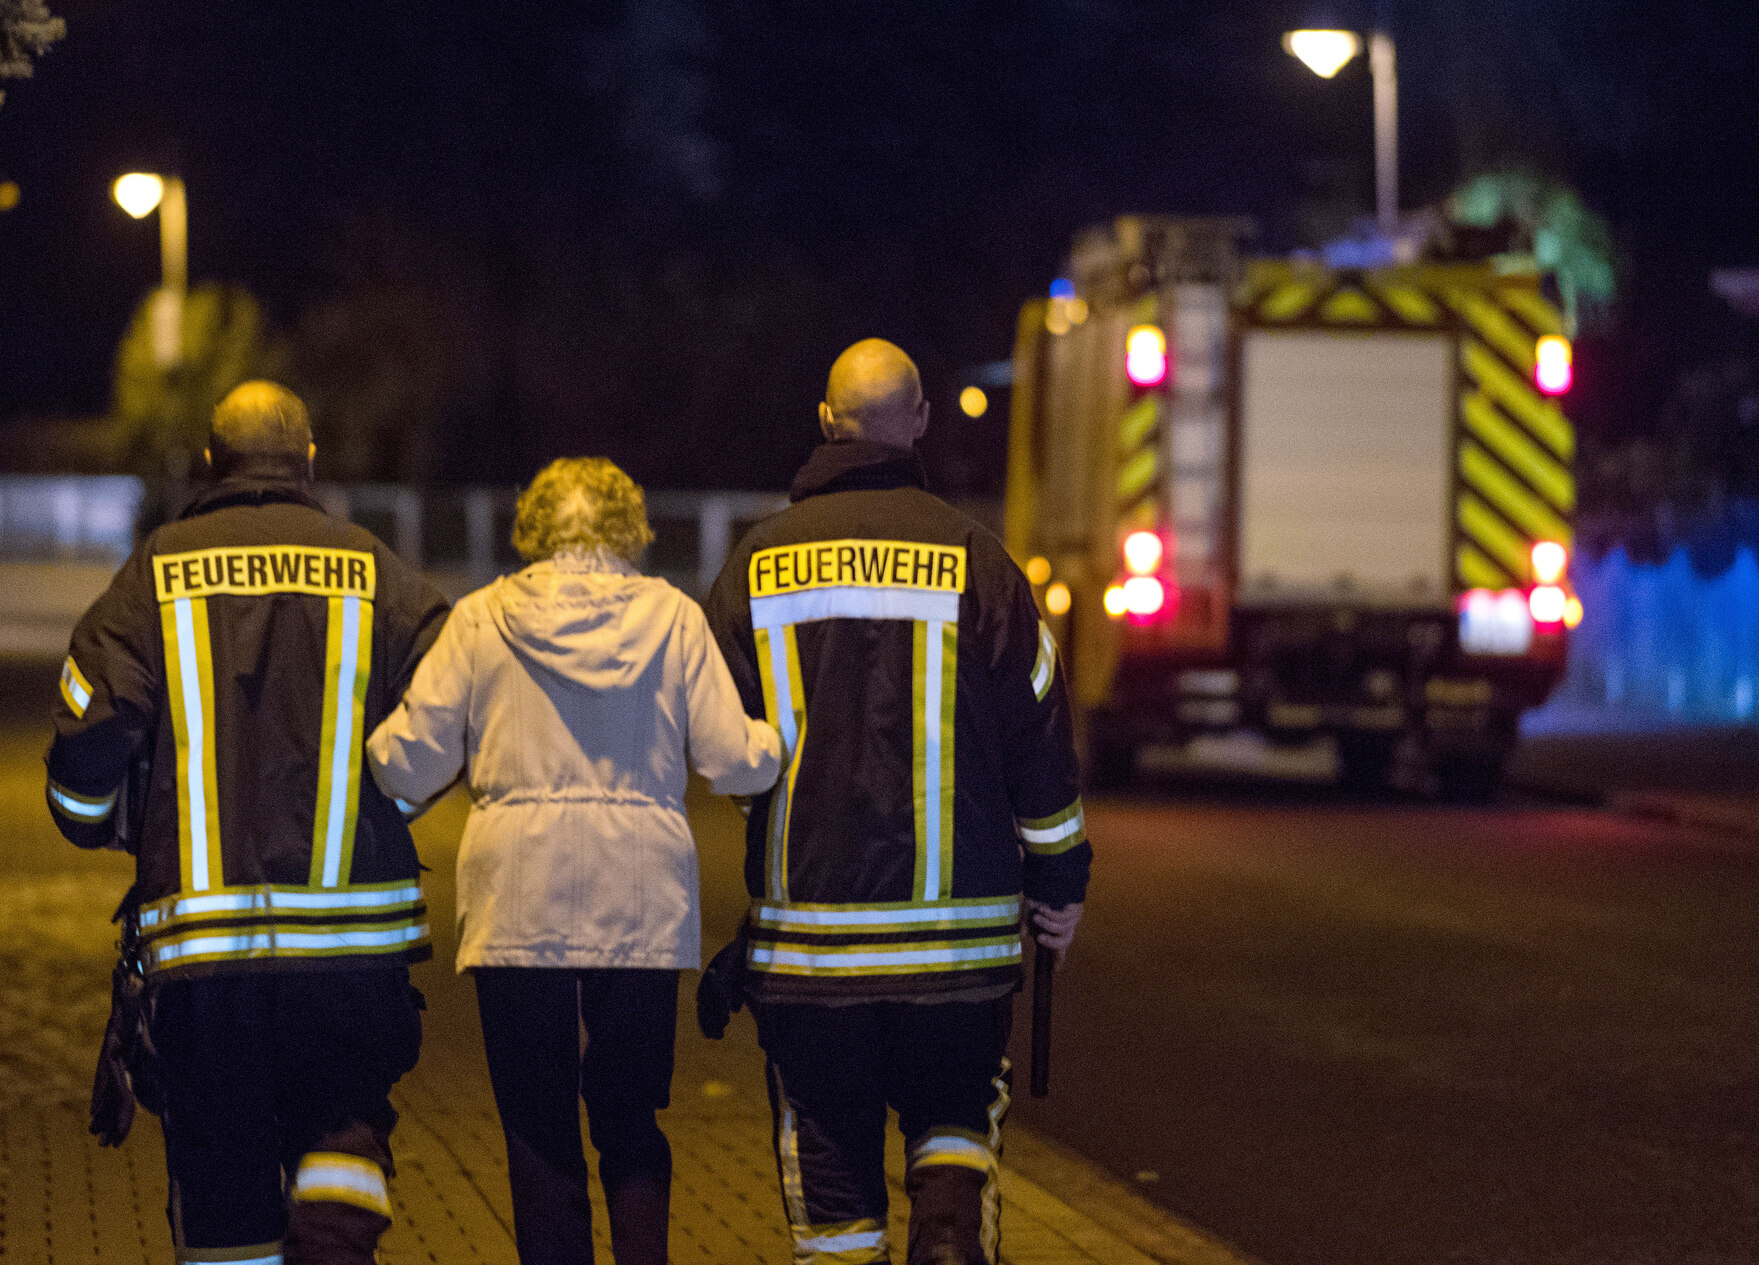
x=337, y=1177
x=862, y=1241
x=251, y=1254
x=944, y=1170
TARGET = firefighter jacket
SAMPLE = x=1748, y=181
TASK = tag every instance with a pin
x=248, y=648
x=930, y=773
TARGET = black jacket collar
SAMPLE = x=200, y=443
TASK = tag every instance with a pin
x=257, y=480
x=857, y=465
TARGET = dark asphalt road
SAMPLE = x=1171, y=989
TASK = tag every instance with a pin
x=1377, y=1033
x=1333, y=1032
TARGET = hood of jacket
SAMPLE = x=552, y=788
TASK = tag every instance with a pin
x=593, y=623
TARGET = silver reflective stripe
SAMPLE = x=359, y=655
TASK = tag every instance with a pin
x=77, y=808
x=861, y=917
x=931, y=762
x=265, y=941
x=853, y=603
x=195, y=725
x=1043, y=669
x=955, y=1150
x=842, y=1242
x=342, y=745
x=896, y=957
x=1075, y=824
x=271, y=898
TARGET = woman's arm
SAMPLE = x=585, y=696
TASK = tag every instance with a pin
x=419, y=749
x=738, y=755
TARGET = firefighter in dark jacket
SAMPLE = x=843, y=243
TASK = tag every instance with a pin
x=929, y=798
x=248, y=648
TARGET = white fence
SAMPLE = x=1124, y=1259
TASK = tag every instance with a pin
x=62, y=536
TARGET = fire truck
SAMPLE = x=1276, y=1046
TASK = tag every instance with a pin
x=1295, y=506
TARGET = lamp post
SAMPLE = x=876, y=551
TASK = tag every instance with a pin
x=140, y=193
x=1327, y=52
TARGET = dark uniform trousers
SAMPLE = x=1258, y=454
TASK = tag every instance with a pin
x=833, y=1071
x=277, y=1111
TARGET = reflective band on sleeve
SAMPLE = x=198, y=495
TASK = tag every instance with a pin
x=853, y=603
x=335, y=1177
x=1046, y=667
x=75, y=688
x=1047, y=836
x=87, y=808
x=347, y=667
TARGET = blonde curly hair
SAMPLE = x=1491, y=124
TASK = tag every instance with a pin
x=581, y=505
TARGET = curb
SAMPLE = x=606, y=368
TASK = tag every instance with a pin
x=1733, y=817
x=1139, y=1232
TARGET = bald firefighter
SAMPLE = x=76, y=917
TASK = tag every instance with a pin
x=240, y=657
x=929, y=800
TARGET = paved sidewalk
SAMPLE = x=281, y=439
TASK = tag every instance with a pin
x=66, y=1201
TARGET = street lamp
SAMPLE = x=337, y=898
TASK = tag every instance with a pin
x=140, y=193
x=1327, y=52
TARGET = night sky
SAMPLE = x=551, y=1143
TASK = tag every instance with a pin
x=644, y=230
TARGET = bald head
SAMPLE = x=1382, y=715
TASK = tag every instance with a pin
x=259, y=419
x=874, y=393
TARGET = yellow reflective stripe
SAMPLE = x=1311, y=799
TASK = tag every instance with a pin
x=1510, y=498
x=285, y=940
x=1136, y=473
x=1520, y=453
x=1494, y=325
x=915, y=958
x=1517, y=397
x=779, y=709
x=347, y=668
x=85, y=808
x=337, y=1177
x=1476, y=571
x=1137, y=423
x=1045, y=667
x=934, y=658
x=189, y=680
x=949, y=690
x=75, y=689
x=862, y=1242
x=363, y=899
x=1534, y=308
x=1288, y=300
x=1496, y=537
x=959, y=1148
x=1410, y=303
x=1050, y=836
x=1349, y=306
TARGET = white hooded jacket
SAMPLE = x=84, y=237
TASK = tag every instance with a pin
x=570, y=696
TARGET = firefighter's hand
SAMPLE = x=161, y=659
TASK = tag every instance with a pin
x=1054, y=929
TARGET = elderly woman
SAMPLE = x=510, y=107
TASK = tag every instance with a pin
x=570, y=696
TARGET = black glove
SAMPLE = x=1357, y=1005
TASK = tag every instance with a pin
x=721, y=991
x=112, y=1086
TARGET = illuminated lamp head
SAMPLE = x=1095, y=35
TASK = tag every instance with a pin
x=1142, y=552
x=1549, y=560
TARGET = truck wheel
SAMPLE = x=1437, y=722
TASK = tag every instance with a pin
x=1363, y=761
x=1474, y=775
